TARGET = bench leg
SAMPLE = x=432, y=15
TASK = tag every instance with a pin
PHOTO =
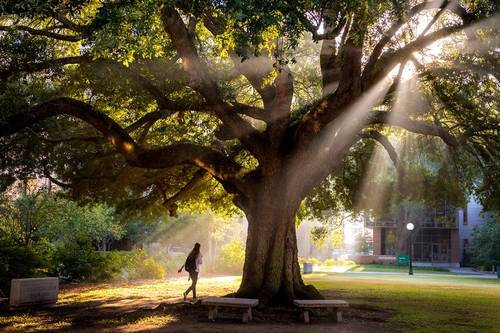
x=247, y=314
x=305, y=315
x=338, y=315
x=212, y=313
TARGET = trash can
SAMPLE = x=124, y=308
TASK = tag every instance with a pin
x=308, y=267
x=498, y=271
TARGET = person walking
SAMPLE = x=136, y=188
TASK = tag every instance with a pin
x=192, y=266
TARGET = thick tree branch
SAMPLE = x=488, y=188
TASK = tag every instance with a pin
x=70, y=24
x=415, y=126
x=389, y=60
x=170, y=203
x=214, y=162
x=452, y=6
x=254, y=68
x=202, y=82
x=166, y=105
x=276, y=97
x=389, y=148
x=251, y=111
x=145, y=83
x=56, y=181
x=329, y=34
x=41, y=66
x=93, y=139
x=149, y=117
x=347, y=80
x=37, y=32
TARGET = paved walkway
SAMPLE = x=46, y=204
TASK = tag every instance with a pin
x=456, y=274
x=468, y=271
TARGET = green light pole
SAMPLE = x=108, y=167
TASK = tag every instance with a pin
x=410, y=226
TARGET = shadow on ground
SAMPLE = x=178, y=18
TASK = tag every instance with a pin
x=131, y=315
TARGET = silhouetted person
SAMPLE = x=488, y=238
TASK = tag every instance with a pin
x=192, y=266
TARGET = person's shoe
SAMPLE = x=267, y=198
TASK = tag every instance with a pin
x=185, y=297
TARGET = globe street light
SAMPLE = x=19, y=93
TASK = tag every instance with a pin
x=410, y=226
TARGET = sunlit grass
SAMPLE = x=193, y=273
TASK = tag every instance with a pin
x=153, y=290
x=30, y=323
x=422, y=303
x=419, y=303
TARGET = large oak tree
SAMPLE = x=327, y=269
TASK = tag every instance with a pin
x=267, y=98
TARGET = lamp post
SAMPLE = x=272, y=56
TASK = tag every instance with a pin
x=410, y=226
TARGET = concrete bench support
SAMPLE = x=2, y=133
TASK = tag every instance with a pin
x=215, y=303
x=34, y=291
x=306, y=305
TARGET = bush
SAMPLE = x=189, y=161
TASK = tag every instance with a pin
x=312, y=260
x=232, y=256
x=17, y=262
x=148, y=269
x=330, y=262
x=173, y=263
x=485, y=246
x=80, y=261
x=137, y=264
x=339, y=262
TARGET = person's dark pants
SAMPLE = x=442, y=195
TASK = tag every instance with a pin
x=194, y=280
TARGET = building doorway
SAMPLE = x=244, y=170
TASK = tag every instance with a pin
x=432, y=245
x=440, y=252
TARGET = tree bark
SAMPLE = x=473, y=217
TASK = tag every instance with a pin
x=271, y=271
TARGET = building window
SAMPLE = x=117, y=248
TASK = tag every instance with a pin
x=466, y=220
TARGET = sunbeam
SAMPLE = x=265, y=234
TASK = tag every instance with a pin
x=345, y=129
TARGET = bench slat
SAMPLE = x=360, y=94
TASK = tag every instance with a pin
x=320, y=303
x=230, y=302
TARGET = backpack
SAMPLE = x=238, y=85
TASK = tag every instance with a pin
x=190, y=264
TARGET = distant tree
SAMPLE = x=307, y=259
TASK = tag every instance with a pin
x=66, y=222
x=363, y=244
x=268, y=101
x=485, y=246
x=33, y=217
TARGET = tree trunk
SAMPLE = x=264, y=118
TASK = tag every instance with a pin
x=271, y=271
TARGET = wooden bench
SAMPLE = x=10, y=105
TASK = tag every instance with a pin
x=214, y=303
x=306, y=305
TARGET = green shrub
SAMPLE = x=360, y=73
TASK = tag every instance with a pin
x=149, y=268
x=330, y=262
x=312, y=260
x=17, y=262
x=80, y=261
x=232, y=256
x=173, y=263
x=338, y=262
x=485, y=246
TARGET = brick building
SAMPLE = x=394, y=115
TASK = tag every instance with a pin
x=440, y=239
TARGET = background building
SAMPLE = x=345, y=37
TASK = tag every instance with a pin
x=469, y=217
x=441, y=235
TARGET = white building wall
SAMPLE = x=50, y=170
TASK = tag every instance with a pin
x=475, y=217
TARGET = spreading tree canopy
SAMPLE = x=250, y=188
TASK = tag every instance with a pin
x=162, y=103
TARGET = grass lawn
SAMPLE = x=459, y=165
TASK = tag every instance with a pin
x=421, y=303
x=379, y=303
x=397, y=268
